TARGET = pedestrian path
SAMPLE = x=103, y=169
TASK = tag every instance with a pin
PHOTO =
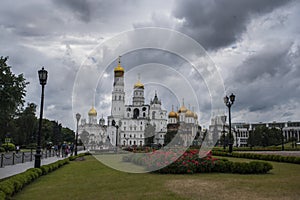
x=11, y=170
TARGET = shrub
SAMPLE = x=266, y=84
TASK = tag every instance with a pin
x=13, y=184
x=72, y=158
x=2, y=149
x=8, y=146
x=276, y=158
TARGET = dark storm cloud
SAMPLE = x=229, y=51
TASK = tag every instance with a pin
x=80, y=8
x=266, y=79
x=267, y=63
x=220, y=23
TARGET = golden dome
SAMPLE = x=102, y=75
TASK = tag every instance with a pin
x=172, y=114
x=189, y=113
x=182, y=109
x=93, y=112
x=119, y=68
x=138, y=84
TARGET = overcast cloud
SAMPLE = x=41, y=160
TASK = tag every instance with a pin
x=255, y=45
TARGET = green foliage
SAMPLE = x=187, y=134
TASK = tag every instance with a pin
x=2, y=149
x=264, y=136
x=190, y=163
x=268, y=157
x=8, y=146
x=12, y=95
x=72, y=158
x=26, y=124
x=14, y=184
x=68, y=135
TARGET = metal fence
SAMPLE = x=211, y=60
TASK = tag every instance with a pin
x=21, y=157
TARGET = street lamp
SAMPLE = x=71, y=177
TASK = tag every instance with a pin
x=228, y=102
x=76, y=138
x=117, y=127
x=43, y=74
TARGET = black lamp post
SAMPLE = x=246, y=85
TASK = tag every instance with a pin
x=43, y=74
x=228, y=102
x=117, y=133
x=76, y=137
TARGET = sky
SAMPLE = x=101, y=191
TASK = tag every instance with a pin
x=254, y=46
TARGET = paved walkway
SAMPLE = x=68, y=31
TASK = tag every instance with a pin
x=11, y=170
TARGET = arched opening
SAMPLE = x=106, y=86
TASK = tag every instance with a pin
x=153, y=115
x=136, y=113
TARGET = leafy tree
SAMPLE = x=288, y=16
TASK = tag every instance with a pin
x=12, y=93
x=264, y=136
x=68, y=135
x=26, y=125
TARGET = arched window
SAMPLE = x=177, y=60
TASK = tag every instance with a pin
x=144, y=114
x=136, y=113
x=153, y=115
x=120, y=98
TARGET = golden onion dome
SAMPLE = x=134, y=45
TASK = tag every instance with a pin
x=93, y=112
x=138, y=84
x=172, y=114
x=119, y=68
x=182, y=109
x=189, y=113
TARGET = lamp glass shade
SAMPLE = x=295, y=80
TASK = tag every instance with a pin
x=232, y=97
x=43, y=74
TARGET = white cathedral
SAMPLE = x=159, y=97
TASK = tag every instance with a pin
x=127, y=124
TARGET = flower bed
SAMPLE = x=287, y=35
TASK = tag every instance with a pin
x=189, y=162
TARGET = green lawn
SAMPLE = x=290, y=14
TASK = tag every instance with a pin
x=90, y=179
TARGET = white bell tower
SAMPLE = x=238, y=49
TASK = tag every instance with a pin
x=118, y=94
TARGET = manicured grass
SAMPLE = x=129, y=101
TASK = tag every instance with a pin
x=90, y=179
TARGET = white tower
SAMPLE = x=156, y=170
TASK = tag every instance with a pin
x=138, y=94
x=117, y=105
x=118, y=94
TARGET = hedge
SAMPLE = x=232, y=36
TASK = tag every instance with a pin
x=253, y=167
x=8, y=146
x=268, y=157
x=11, y=185
x=72, y=158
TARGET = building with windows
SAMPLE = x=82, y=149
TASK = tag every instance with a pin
x=128, y=124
